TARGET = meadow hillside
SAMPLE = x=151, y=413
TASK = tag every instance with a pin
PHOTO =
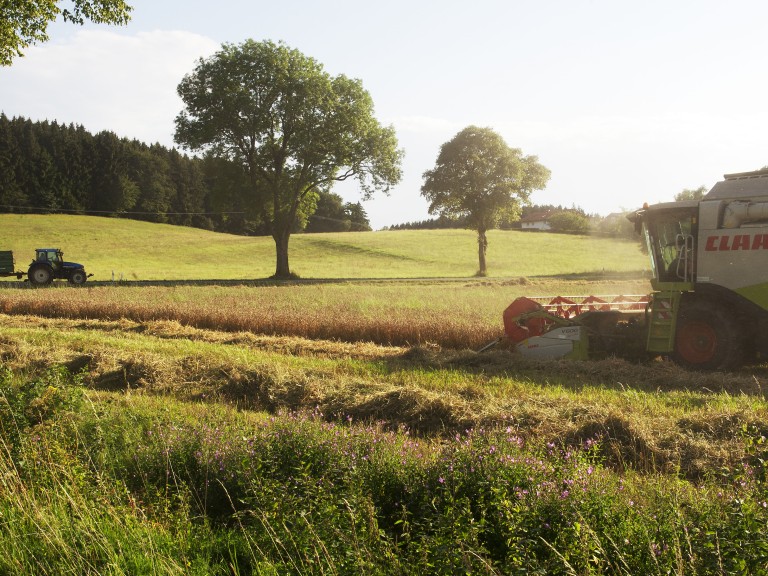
x=132, y=250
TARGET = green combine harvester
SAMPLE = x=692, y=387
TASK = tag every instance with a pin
x=709, y=306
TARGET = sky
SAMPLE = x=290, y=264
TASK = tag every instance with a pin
x=625, y=102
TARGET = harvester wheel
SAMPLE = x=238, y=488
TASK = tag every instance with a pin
x=40, y=275
x=707, y=338
x=77, y=277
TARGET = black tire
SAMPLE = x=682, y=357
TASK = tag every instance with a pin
x=77, y=277
x=40, y=275
x=707, y=338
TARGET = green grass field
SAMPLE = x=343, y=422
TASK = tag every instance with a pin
x=344, y=427
x=130, y=250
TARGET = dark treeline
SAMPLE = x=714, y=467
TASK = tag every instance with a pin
x=572, y=220
x=438, y=223
x=443, y=222
x=46, y=167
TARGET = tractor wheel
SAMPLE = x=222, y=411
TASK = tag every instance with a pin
x=707, y=338
x=77, y=277
x=40, y=275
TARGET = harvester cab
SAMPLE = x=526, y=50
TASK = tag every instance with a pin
x=708, y=308
x=670, y=235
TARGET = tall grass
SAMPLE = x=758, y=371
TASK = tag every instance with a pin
x=61, y=514
x=106, y=484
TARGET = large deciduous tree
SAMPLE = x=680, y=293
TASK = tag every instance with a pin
x=479, y=178
x=25, y=22
x=294, y=128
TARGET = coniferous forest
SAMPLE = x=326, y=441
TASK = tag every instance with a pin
x=47, y=167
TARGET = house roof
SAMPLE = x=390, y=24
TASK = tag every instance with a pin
x=537, y=217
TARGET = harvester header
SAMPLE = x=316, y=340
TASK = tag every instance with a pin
x=572, y=326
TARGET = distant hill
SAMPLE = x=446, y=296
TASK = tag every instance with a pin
x=134, y=250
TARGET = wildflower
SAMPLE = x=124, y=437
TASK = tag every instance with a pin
x=441, y=480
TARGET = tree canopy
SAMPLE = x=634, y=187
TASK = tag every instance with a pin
x=479, y=178
x=691, y=194
x=570, y=221
x=334, y=215
x=295, y=129
x=25, y=22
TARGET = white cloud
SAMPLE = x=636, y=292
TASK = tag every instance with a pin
x=427, y=125
x=105, y=81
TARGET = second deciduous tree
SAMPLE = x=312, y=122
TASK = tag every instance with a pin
x=478, y=177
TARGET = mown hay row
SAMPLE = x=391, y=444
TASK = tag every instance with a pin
x=426, y=390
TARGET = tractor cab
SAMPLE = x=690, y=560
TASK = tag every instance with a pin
x=53, y=256
x=670, y=232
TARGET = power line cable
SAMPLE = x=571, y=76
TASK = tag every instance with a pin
x=119, y=213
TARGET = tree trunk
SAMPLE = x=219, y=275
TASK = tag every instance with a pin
x=281, y=246
x=482, y=247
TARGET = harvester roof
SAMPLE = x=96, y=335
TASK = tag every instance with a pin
x=740, y=185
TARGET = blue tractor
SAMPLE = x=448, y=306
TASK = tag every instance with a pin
x=49, y=265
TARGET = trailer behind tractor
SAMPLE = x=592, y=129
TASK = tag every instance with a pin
x=8, y=265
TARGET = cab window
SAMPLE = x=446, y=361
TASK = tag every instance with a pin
x=671, y=244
